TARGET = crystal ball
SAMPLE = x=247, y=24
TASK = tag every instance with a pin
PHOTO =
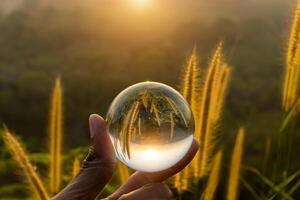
x=151, y=126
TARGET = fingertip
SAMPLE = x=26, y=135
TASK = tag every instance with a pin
x=96, y=122
x=95, y=117
x=100, y=139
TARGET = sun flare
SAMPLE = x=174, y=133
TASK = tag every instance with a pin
x=141, y=3
x=151, y=154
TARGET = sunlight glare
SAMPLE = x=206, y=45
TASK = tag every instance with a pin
x=151, y=154
x=141, y=3
x=150, y=158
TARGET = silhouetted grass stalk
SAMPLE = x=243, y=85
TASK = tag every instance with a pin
x=19, y=154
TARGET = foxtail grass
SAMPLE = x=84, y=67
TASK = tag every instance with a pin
x=56, y=137
x=213, y=179
x=234, y=173
x=125, y=133
x=185, y=179
x=290, y=97
x=177, y=183
x=128, y=128
x=181, y=181
x=190, y=90
x=18, y=152
x=212, y=100
x=172, y=125
x=156, y=114
x=291, y=79
x=123, y=172
x=75, y=167
x=206, y=97
x=190, y=86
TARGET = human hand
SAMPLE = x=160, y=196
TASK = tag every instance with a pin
x=99, y=165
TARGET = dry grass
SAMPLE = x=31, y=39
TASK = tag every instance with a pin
x=290, y=98
x=291, y=80
x=19, y=154
x=233, y=183
x=190, y=90
x=172, y=125
x=212, y=100
x=55, y=137
x=213, y=179
x=206, y=97
x=128, y=128
x=123, y=172
x=75, y=167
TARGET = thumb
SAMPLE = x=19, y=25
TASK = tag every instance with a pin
x=97, y=168
x=102, y=147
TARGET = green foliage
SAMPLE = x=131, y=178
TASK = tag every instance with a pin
x=9, y=191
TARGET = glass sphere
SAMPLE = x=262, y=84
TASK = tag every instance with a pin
x=151, y=126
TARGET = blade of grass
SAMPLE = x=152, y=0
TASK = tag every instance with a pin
x=109, y=188
x=269, y=183
x=123, y=172
x=288, y=180
x=250, y=188
x=285, y=183
x=294, y=188
x=289, y=115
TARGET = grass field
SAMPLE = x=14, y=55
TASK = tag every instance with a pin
x=218, y=171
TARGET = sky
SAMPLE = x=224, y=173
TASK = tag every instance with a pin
x=192, y=5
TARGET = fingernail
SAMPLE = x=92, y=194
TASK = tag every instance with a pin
x=91, y=121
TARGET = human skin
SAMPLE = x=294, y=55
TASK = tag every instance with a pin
x=99, y=166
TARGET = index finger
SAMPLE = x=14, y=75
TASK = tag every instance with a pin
x=139, y=179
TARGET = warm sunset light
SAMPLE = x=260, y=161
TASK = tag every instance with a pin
x=142, y=3
x=153, y=158
x=151, y=153
x=150, y=99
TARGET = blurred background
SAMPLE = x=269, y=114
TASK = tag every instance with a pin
x=99, y=47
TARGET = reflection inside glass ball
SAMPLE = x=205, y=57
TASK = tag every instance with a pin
x=151, y=126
